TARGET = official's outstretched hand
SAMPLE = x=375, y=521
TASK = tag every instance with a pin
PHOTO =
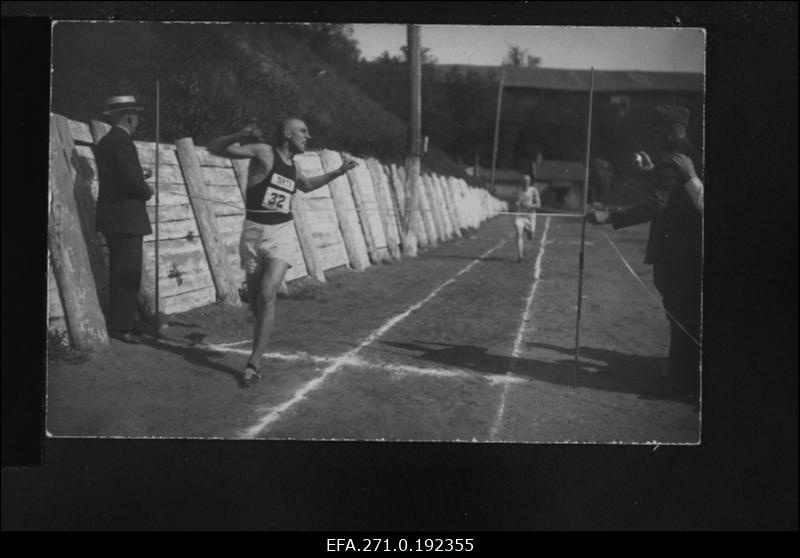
x=642, y=161
x=598, y=217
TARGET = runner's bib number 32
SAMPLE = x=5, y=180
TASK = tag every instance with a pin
x=280, y=198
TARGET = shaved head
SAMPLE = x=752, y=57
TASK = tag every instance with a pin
x=293, y=133
x=286, y=125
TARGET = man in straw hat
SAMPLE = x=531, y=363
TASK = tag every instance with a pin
x=674, y=245
x=121, y=213
x=267, y=243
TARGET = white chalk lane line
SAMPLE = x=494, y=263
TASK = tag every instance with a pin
x=398, y=370
x=522, y=329
x=349, y=357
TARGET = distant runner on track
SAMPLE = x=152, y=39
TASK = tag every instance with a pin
x=266, y=246
x=527, y=202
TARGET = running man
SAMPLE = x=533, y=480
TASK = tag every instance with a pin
x=266, y=246
x=527, y=202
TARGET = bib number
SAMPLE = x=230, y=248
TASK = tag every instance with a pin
x=282, y=182
x=276, y=200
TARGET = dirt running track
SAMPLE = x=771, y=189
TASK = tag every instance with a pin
x=461, y=343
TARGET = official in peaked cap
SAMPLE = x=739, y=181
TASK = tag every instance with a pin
x=674, y=245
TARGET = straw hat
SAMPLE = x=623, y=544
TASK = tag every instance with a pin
x=122, y=102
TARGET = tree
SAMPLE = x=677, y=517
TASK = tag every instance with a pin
x=519, y=58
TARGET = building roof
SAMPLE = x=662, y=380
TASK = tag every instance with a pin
x=547, y=171
x=502, y=175
x=578, y=80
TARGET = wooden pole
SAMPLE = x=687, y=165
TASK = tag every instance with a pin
x=213, y=244
x=70, y=257
x=386, y=207
x=305, y=235
x=414, y=147
x=157, y=321
x=342, y=197
x=497, y=125
x=583, y=228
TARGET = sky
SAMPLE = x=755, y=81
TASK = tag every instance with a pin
x=605, y=48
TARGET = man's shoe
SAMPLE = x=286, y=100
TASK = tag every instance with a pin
x=125, y=337
x=249, y=377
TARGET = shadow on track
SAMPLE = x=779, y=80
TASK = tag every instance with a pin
x=470, y=258
x=194, y=352
x=620, y=373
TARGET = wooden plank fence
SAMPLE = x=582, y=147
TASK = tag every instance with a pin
x=356, y=221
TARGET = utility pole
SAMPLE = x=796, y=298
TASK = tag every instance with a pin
x=497, y=125
x=414, y=145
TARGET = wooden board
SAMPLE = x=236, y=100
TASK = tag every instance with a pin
x=447, y=194
x=189, y=300
x=84, y=175
x=396, y=186
x=227, y=289
x=441, y=206
x=467, y=201
x=54, y=307
x=416, y=236
x=368, y=210
x=435, y=208
x=346, y=213
x=447, y=206
x=321, y=216
x=179, y=229
x=180, y=272
x=388, y=212
x=208, y=160
x=98, y=129
x=79, y=131
x=426, y=209
x=228, y=194
x=241, y=168
x=71, y=262
x=304, y=228
x=147, y=153
x=455, y=198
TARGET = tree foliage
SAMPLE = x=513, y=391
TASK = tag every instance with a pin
x=519, y=58
x=214, y=79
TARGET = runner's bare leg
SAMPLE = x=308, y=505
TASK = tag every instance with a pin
x=265, y=294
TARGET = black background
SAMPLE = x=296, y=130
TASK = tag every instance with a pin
x=742, y=477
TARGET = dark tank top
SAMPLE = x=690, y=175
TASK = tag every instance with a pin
x=273, y=193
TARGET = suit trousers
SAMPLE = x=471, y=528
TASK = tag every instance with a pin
x=125, y=276
x=679, y=285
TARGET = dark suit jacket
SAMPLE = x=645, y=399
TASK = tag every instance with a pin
x=675, y=228
x=123, y=190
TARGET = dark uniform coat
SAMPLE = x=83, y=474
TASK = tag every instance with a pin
x=674, y=248
x=122, y=218
x=123, y=190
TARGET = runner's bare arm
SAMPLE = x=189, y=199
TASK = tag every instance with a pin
x=537, y=202
x=232, y=145
x=309, y=184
